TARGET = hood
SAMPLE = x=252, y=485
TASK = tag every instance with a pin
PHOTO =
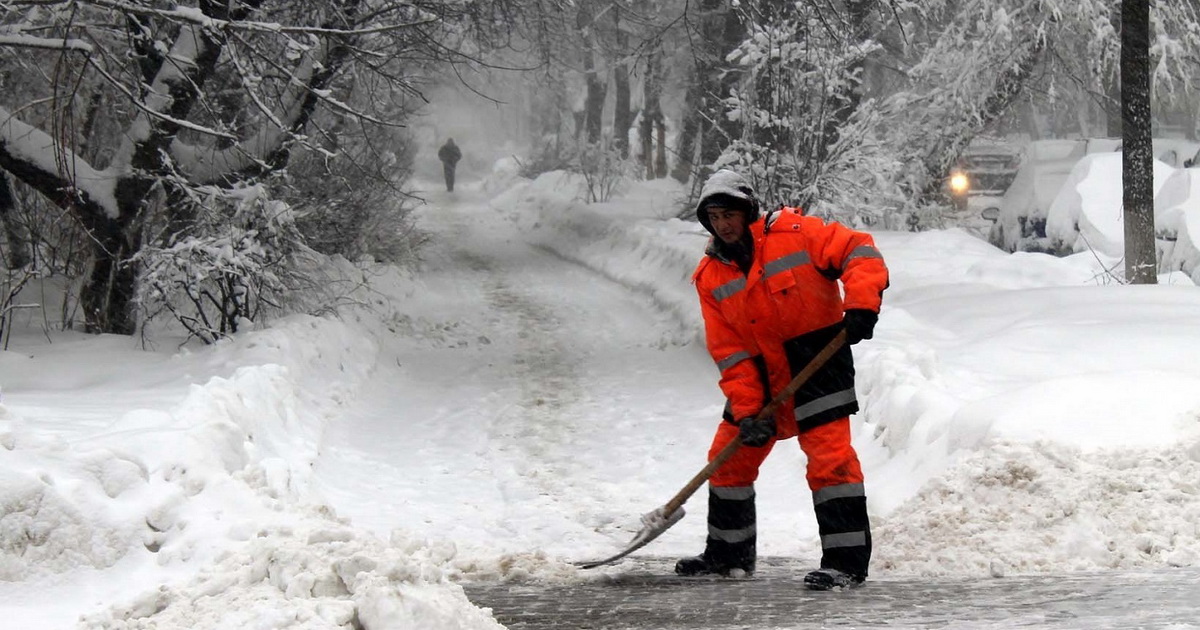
x=729, y=189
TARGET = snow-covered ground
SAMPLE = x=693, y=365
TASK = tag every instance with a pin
x=519, y=401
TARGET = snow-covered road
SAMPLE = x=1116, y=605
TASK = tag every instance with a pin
x=526, y=373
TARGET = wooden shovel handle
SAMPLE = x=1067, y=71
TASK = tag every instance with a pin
x=817, y=362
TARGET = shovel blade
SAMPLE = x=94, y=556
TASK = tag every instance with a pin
x=654, y=523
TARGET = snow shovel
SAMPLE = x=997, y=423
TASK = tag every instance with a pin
x=660, y=520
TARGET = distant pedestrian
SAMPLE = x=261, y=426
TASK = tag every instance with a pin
x=449, y=154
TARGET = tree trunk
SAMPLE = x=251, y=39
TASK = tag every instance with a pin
x=689, y=130
x=724, y=32
x=652, y=116
x=1112, y=90
x=1112, y=107
x=17, y=245
x=660, y=156
x=703, y=116
x=596, y=88
x=622, y=117
x=1137, y=160
x=846, y=99
x=108, y=296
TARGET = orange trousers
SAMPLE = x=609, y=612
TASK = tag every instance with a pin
x=831, y=458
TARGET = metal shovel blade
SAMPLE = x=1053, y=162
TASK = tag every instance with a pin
x=653, y=524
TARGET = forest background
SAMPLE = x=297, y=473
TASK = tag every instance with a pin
x=209, y=164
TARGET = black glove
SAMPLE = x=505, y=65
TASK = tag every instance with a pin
x=755, y=432
x=860, y=324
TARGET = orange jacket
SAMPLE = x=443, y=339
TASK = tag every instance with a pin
x=763, y=327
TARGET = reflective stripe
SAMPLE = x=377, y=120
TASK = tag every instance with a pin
x=732, y=360
x=791, y=261
x=729, y=288
x=824, y=403
x=862, y=251
x=733, y=535
x=840, y=491
x=848, y=539
x=733, y=493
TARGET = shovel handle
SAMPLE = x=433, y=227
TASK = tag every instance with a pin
x=723, y=456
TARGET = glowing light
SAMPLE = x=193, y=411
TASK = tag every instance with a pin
x=959, y=183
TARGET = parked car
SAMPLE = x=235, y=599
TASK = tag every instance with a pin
x=1020, y=223
x=1177, y=220
x=1193, y=161
x=979, y=179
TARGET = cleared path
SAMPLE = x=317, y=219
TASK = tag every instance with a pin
x=648, y=596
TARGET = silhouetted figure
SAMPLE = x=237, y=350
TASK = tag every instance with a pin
x=449, y=155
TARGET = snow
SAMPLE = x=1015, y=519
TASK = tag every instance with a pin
x=1091, y=216
x=539, y=384
x=1083, y=204
x=27, y=143
x=1177, y=221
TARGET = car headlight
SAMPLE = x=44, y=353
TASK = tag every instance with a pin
x=959, y=183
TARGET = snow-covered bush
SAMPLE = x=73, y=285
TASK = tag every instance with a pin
x=603, y=170
x=351, y=205
x=232, y=268
x=12, y=282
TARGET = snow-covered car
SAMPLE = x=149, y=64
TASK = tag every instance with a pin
x=979, y=179
x=1177, y=220
x=1087, y=213
x=990, y=167
x=1020, y=224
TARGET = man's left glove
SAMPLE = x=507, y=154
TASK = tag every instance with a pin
x=755, y=432
x=860, y=324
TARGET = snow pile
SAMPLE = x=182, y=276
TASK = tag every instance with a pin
x=1077, y=511
x=43, y=528
x=634, y=240
x=325, y=578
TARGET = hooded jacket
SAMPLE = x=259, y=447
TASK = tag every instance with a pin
x=450, y=153
x=764, y=325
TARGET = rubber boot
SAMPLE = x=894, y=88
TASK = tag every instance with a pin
x=732, y=535
x=845, y=535
x=829, y=579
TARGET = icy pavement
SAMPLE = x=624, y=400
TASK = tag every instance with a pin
x=648, y=596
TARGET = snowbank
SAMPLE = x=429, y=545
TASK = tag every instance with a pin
x=634, y=240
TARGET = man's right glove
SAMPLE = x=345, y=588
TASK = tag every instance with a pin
x=755, y=432
x=860, y=324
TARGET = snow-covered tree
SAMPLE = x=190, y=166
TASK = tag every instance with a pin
x=139, y=103
x=867, y=105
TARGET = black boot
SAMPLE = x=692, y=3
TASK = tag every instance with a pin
x=705, y=564
x=696, y=565
x=732, y=542
x=829, y=579
x=845, y=535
